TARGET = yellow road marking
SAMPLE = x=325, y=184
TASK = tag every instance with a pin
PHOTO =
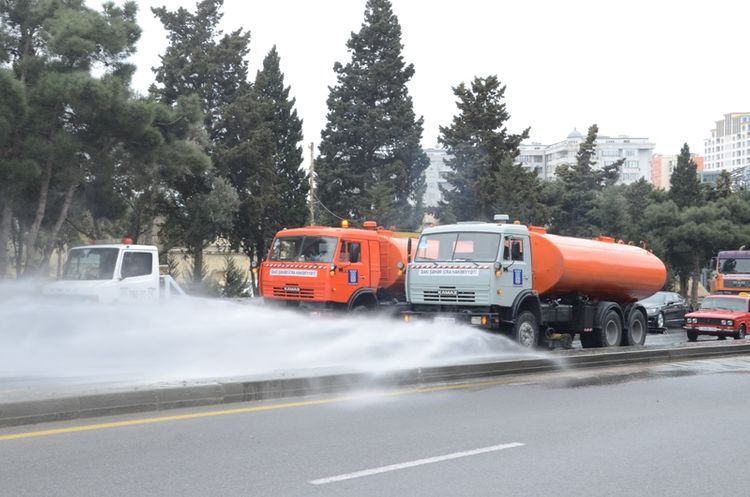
x=244, y=410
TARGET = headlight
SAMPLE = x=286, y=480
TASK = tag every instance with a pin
x=730, y=322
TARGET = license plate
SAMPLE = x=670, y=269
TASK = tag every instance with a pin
x=707, y=328
x=445, y=319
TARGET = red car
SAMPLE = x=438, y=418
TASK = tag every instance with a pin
x=720, y=316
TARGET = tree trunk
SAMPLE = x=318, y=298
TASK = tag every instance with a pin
x=5, y=221
x=67, y=201
x=33, y=233
x=197, y=264
x=694, y=283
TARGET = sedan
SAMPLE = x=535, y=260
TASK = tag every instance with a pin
x=720, y=316
x=665, y=309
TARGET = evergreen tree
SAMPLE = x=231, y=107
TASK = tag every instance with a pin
x=483, y=178
x=685, y=188
x=201, y=62
x=280, y=116
x=74, y=120
x=580, y=185
x=371, y=163
x=235, y=279
x=722, y=188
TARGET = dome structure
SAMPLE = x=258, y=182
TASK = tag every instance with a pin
x=575, y=135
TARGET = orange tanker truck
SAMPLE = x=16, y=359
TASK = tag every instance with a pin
x=326, y=268
x=535, y=286
x=731, y=272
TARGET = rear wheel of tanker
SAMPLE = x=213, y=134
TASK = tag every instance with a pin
x=611, y=332
x=526, y=330
x=692, y=336
x=740, y=333
x=637, y=329
x=360, y=309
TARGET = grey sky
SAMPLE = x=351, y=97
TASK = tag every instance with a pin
x=661, y=69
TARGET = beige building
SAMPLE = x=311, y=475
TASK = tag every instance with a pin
x=662, y=167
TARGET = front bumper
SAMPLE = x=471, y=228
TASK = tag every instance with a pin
x=488, y=320
x=711, y=330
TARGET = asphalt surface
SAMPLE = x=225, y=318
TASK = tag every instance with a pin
x=667, y=430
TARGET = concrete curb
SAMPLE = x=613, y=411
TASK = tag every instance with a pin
x=220, y=392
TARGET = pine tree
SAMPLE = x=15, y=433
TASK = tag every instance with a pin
x=685, y=187
x=201, y=61
x=286, y=128
x=483, y=179
x=580, y=185
x=70, y=63
x=371, y=163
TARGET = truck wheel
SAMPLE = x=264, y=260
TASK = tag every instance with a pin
x=611, y=333
x=692, y=336
x=359, y=309
x=526, y=330
x=637, y=329
x=740, y=333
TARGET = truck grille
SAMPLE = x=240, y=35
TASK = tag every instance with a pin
x=293, y=292
x=449, y=295
x=736, y=283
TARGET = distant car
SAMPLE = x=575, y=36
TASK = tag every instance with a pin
x=665, y=309
x=720, y=316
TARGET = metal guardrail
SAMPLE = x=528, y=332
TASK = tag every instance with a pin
x=222, y=392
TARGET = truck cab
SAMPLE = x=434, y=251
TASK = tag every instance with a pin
x=108, y=273
x=327, y=268
x=731, y=272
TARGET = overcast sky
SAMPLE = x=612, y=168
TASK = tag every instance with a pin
x=660, y=69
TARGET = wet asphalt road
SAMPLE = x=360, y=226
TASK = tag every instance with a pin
x=668, y=430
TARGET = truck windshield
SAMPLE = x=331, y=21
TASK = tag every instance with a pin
x=303, y=249
x=91, y=264
x=474, y=247
x=731, y=265
x=724, y=304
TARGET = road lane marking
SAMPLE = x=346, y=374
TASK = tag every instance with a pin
x=244, y=410
x=411, y=464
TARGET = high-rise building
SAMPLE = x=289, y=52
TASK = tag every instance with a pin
x=728, y=148
x=545, y=159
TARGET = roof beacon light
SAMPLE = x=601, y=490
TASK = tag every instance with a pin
x=501, y=218
x=127, y=241
x=344, y=223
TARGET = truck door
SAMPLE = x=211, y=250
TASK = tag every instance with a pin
x=516, y=272
x=352, y=269
x=139, y=276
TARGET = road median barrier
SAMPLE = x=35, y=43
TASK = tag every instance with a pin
x=157, y=398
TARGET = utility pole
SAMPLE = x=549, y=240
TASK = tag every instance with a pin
x=312, y=184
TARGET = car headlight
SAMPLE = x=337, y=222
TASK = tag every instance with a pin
x=730, y=322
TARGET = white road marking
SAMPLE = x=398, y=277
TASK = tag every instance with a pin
x=411, y=464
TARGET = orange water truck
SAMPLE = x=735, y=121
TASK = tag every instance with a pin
x=327, y=268
x=533, y=285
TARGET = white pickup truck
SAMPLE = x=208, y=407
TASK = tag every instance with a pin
x=117, y=272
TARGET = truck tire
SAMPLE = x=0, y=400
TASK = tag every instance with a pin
x=526, y=330
x=637, y=329
x=610, y=333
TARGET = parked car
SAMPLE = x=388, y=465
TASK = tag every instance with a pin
x=665, y=309
x=720, y=316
